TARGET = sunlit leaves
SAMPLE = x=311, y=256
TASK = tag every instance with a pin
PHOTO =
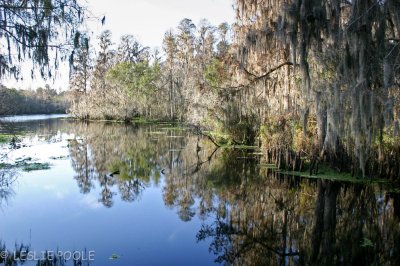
x=135, y=77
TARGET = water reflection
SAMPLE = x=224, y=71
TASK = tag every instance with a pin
x=251, y=216
x=260, y=217
x=117, y=158
x=275, y=221
x=7, y=178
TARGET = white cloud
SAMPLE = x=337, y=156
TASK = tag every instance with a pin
x=91, y=202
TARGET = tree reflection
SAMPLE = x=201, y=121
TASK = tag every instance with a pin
x=119, y=159
x=7, y=178
x=80, y=159
x=251, y=215
x=274, y=221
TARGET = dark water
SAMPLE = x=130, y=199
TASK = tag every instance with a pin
x=154, y=195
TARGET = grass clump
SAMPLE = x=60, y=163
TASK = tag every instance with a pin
x=26, y=165
x=35, y=167
x=328, y=173
x=5, y=138
x=59, y=157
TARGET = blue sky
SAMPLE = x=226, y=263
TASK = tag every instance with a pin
x=147, y=20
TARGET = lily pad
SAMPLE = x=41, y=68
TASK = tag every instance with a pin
x=36, y=167
x=367, y=242
x=114, y=256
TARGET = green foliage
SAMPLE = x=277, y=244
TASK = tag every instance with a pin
x=215, y=73
x=135, y=78
x=366, y=242
x=4, y=138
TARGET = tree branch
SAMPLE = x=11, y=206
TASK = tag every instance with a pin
x=272, y=70
x=15, y=38
x=256, y=78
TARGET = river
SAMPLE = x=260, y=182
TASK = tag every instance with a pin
x=160, y=195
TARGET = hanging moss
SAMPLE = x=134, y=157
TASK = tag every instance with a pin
x=345, y=75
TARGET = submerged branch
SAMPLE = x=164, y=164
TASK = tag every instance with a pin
x=211, y=139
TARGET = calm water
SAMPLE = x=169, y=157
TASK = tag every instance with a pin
x=25, y=118
x=155, y=195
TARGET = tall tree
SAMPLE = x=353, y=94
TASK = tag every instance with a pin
x=81, y=67
x=170, y=50
x=130, y=50
x=205, y=44
x=223, y=43
x=104, y=61
x=186, y=41
x=186, y=51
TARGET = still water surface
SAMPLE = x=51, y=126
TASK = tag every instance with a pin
x=158, y=195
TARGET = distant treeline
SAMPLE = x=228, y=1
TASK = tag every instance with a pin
x=40, y=101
